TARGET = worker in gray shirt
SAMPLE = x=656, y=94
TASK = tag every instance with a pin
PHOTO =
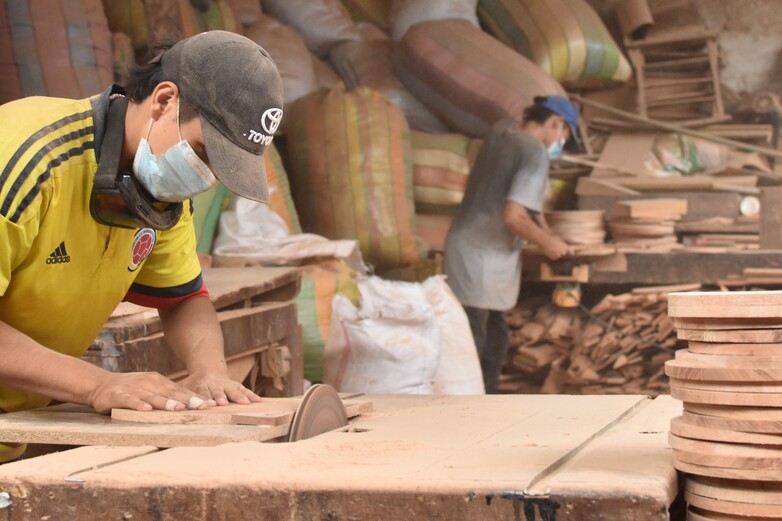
x=501, y=210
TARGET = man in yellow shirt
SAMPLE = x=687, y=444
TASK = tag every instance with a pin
x=95, y=209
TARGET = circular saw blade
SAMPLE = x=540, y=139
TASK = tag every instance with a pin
x=321, y=410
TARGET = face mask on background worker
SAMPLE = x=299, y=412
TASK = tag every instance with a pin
x=556, y=148
x=176, y=175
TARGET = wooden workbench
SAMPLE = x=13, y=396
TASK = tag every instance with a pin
x=260, y=327
x=514, y=457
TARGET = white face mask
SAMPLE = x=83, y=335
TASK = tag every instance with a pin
x=177, y=175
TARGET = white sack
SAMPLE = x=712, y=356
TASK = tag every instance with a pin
x=406, y=13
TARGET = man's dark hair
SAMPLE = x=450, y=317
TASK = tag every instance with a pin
x=142, y=80
x=537, y=112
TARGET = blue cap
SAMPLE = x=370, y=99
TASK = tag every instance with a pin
x=561, y=106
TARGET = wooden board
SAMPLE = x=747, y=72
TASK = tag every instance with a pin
x=680, y=426
x=688, y=371
x=726, y=455
x=732, y=507
x=726, y=398
x=758, y=473
x=271, y=411
x=725, y=304
x=697, y=514
x=718, y=324
x=737, y=491
x=755, y=414
x=728, y=336
x=728, y=386
x=733, y=362
x=662, y=208
x=710, y=348
x=732, y=425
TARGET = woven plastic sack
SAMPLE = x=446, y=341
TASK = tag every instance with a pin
x=280, y=198
x=178, y=19
x=246, y=12
x=372, y=11
x=566, y=38
x=319, y=284
x=287, y=49
x=390, y=344
x=441, y=166
x=368, y=62
x=466, y=77
x=407, y=13
x=128, y=17
x=59, y=48
x=350, y=172
x=322, y=23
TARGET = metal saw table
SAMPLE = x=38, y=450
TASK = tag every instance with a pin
x=503, y=457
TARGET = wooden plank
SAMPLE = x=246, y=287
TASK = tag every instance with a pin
x=726, y=398
x=710, y=348
x=229, y=286
x=733, y=507
x=733, y=304
x=766, y=414
x=708, y=323
x=728, y=386
x=726, y=455
x=757, y=473
x=659, y=208
x=770, y=218
x=90, y=428
x=727, y=336
x=731, y=425
x=697, y=514
x=626, y=152
x=702, y=372
x=683, y=428
x=753, y=492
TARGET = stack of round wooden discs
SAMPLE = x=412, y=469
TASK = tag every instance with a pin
x=578, y=227
x=729, y=437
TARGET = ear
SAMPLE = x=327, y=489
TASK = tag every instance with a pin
x=163, y=99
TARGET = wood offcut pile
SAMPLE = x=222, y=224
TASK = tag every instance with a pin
x=646, y=224
x=621, y=348
x=729, y=437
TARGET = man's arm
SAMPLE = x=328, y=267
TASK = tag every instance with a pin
x=518, y=220
x=28, y=366
x=193, y=332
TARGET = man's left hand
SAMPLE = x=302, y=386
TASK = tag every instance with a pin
x=221, y=389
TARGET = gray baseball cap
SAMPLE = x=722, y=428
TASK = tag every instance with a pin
x=235, y=87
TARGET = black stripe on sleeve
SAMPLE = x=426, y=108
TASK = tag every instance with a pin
x=183, y=290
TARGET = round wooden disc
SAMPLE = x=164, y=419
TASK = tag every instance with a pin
x=736, y=425
x=720, y=472
x=739, y=491
x=727, y=398
x=632, y=229
x=731, y=361
x=716, y=324
x=689, y=371
x=726, y=455
x=711, y=348
x=759, y=414
x=734, y=508
x=725, y=304
x=754, y=336
x=698, y=514
x=682, y=427
x=726, y=386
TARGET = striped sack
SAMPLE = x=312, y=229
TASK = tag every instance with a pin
x=466, y=76
x=373, y=11
x=178, y=19
x=351, y=174
x=128, y=17
x=280, y=198
x=566, y=38
x=59, y=48
x=319, y=283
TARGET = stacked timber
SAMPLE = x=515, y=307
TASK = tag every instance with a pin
x=646, y=224
x=729, y=437
x=578, y=227
x=619, y=347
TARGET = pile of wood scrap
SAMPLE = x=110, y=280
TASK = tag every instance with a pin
x=729, y=437
x=620, y=346
x=646, y=224
x=578, y=227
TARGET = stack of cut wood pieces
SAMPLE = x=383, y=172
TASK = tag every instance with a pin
x=754, y=278
x=620, y=349
x=729, y=437
x=647, y=224
x=720, y=234
x=578, y=227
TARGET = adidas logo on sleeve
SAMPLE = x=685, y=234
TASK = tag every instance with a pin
x=59, y=255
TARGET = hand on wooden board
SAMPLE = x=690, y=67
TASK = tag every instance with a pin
x=144, y=392
x=219, y=388
x=556, y=248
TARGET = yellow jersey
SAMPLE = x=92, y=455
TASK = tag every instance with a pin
x=62, y=273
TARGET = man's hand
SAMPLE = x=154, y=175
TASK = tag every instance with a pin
x=556, y=248
x=144, y=392
x=220, y=389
